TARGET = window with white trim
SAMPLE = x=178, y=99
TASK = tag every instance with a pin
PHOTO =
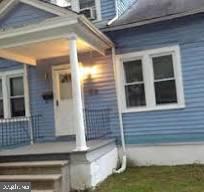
x=151, y=80
x=12, y=94
x=90, y=8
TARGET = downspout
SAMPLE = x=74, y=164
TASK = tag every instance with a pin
x=124, y=155
x=116, y=16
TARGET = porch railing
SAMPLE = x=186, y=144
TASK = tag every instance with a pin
x=97, y=123
x=18, y=131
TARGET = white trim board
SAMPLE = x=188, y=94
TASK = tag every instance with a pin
x=147, y=65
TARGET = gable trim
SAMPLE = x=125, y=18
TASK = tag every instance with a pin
x=7, y=5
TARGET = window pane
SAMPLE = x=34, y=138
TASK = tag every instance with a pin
x=16, y=86
x=1, y=92
x=65, y=86
x=163, y=67
x=135, y=95
x=133, y=71
x=1, y=109
x=165, y=92
x=86, y=4
x=17, y=107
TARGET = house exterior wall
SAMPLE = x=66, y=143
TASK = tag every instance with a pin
x=40, y=82
x=103, y=84
x=169, y=126
x=109, y=8
x=123, y=5
x=23, y=14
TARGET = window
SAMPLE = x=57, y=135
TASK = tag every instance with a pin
x=90, y=8
x=17, y=101
x=151, y=80
x=12, y=94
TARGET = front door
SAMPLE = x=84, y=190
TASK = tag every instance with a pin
x=63, y=101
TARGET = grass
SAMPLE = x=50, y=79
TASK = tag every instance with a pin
x=157, y=179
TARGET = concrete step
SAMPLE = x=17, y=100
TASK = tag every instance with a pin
x=39, y=182
x=29, y=177
x=27, y=168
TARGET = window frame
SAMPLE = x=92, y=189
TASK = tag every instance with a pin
x=76, y=7
x=148, y=76
x=10, y=98
x=6, y=76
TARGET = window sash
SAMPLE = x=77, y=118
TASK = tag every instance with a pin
x=11, y=98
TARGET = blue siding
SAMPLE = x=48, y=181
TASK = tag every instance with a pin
x=183, y=125
x=104, y=83
x=38, y=86
x=123, y=5
x=108, y=9
x=7, y=65
x=23, y=14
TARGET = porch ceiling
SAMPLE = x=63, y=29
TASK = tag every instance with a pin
x=31, y=53
x=50, y=39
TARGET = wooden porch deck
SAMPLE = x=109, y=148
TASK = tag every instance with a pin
x=49, y=151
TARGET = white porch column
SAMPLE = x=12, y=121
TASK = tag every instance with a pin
x=77, y=96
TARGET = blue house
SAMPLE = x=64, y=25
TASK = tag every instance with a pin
x=83, y=82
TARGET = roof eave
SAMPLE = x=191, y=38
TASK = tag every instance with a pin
x=151, y=21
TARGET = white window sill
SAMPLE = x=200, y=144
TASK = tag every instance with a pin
x=17, y=119
x=158, y=108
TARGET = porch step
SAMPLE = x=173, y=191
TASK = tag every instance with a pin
x=26, y=168
x=45, y=176
x=39, y=182
x=28, y=178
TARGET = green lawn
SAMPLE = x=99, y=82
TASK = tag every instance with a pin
x=157, y=179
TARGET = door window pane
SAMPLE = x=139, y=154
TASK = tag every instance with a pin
x=163, y=67
x=65, y=86
x=16, y=86
x=135, y=95
x=17, y=107
x=133, y=71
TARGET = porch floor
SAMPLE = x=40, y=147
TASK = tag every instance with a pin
x=51, y=148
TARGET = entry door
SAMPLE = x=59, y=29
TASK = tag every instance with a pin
x=63, y=101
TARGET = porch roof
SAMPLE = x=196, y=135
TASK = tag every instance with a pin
x=49, y=38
